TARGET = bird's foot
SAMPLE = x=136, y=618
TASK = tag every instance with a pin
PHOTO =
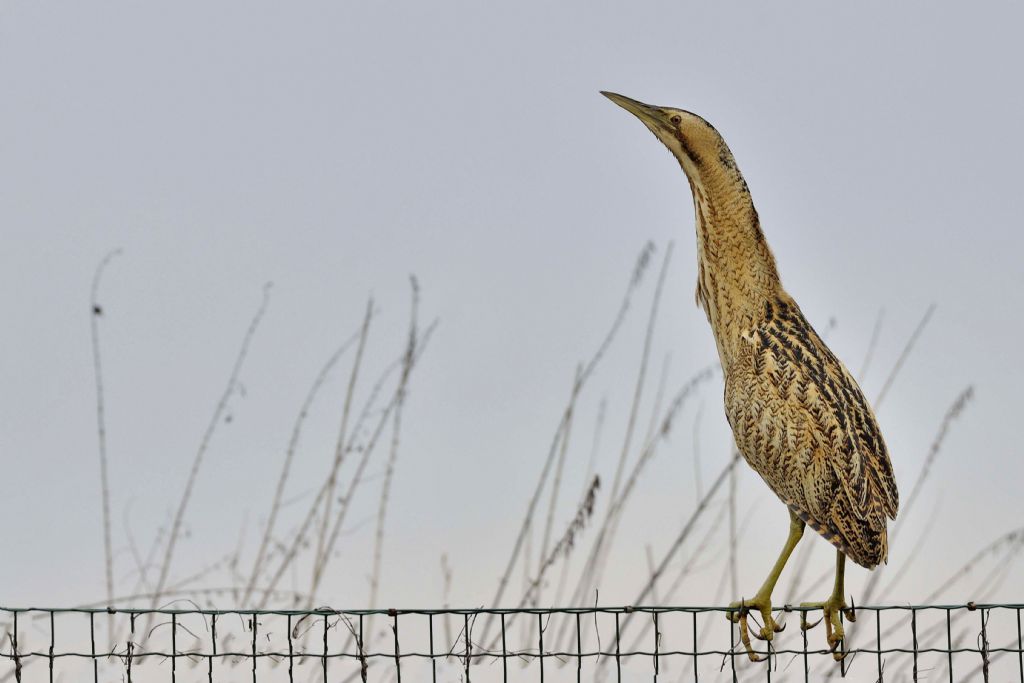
x=831, y=610
x=738, y=614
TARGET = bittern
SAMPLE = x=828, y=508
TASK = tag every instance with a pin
x=797, y=414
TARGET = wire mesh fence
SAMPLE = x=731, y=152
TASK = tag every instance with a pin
x=896, y=643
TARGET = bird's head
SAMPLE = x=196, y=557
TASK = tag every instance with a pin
x=692, y=140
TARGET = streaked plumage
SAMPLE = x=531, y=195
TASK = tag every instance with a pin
x=803, y=424
x=799, y=418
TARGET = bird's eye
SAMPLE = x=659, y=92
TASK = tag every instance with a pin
x=676, y=119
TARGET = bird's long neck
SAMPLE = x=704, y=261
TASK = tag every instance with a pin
x=736, y=269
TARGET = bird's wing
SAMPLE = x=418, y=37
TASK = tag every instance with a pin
x=803, y=423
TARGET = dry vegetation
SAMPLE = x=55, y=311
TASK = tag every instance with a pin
x=566, y=539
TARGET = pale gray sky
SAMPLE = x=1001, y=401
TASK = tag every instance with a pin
x=334, y=148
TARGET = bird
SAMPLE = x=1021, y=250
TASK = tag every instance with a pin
x=798, y=416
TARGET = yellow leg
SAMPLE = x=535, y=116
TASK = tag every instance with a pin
x=831, y=608
x=762, y=600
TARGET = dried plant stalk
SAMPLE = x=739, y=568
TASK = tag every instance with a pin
x=204, y=444
x=101, y=424
x=293, y=443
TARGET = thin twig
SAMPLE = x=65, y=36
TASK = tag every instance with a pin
x=876, y=333
x=605, y=534
x=595, y=564
x=903, y=356
x=720, y=519
x=636, y=278
x=204, y=443
x=556, y=484
x=954, y=411
x=659, y=396
x=293, y=443
x=733, y=579
x=698, y=485
x=339, y=450
x=410, y=354
x=239, y=548
x=684, y=533
x=566, y=543
x=1009, y=539
x=650, y=570
x=919, y=543
x=298, y=537
x=641, y=372
x=101, y=425
x=446, y=591
x=1010, y=544
x=357, y=476
x=133, y=547
x=587, y=480
x=595, y=443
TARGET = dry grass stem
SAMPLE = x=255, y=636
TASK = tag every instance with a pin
x=517, y=546
x=1002, y=550
x=659, y=396
x=524, y=529
x=204, y=443
x=697, y=483
x=605, y=535
x=733, y=579
x=566, y=542
x=698, y=553
x=101, y=424
x=686, y=530
x=649, y=555
x=919, y=544
x=876, y=333
x=904, y=354
x=681, y=537
x=357, y=477
x=293, y=443
x=588, y=477
x=595, y=443
x=133, y=547
x=446, y=580
x=954, y=411
x=407, y=362
x=594, y=568
x=298, y=536
x=339, y=449
x=999, y=548
x=641, y=376
x=556, y=484
x=685, y=570
x=720, y=595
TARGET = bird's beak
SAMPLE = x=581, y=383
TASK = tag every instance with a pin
x=652, y=117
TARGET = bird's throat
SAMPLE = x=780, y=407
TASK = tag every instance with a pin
x=736, y=268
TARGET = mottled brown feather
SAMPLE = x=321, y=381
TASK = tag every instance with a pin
x=803, y=424
x=799, y=418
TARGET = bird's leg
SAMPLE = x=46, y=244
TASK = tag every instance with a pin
x=762, y=600
x=831, y=608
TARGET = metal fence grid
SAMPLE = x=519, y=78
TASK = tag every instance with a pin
x=952, y=643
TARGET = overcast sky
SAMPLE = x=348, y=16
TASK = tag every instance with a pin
x=335, y=148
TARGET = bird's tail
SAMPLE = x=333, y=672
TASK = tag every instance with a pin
x=865, y=541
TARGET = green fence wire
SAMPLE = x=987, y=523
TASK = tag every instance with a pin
x=952, y=643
